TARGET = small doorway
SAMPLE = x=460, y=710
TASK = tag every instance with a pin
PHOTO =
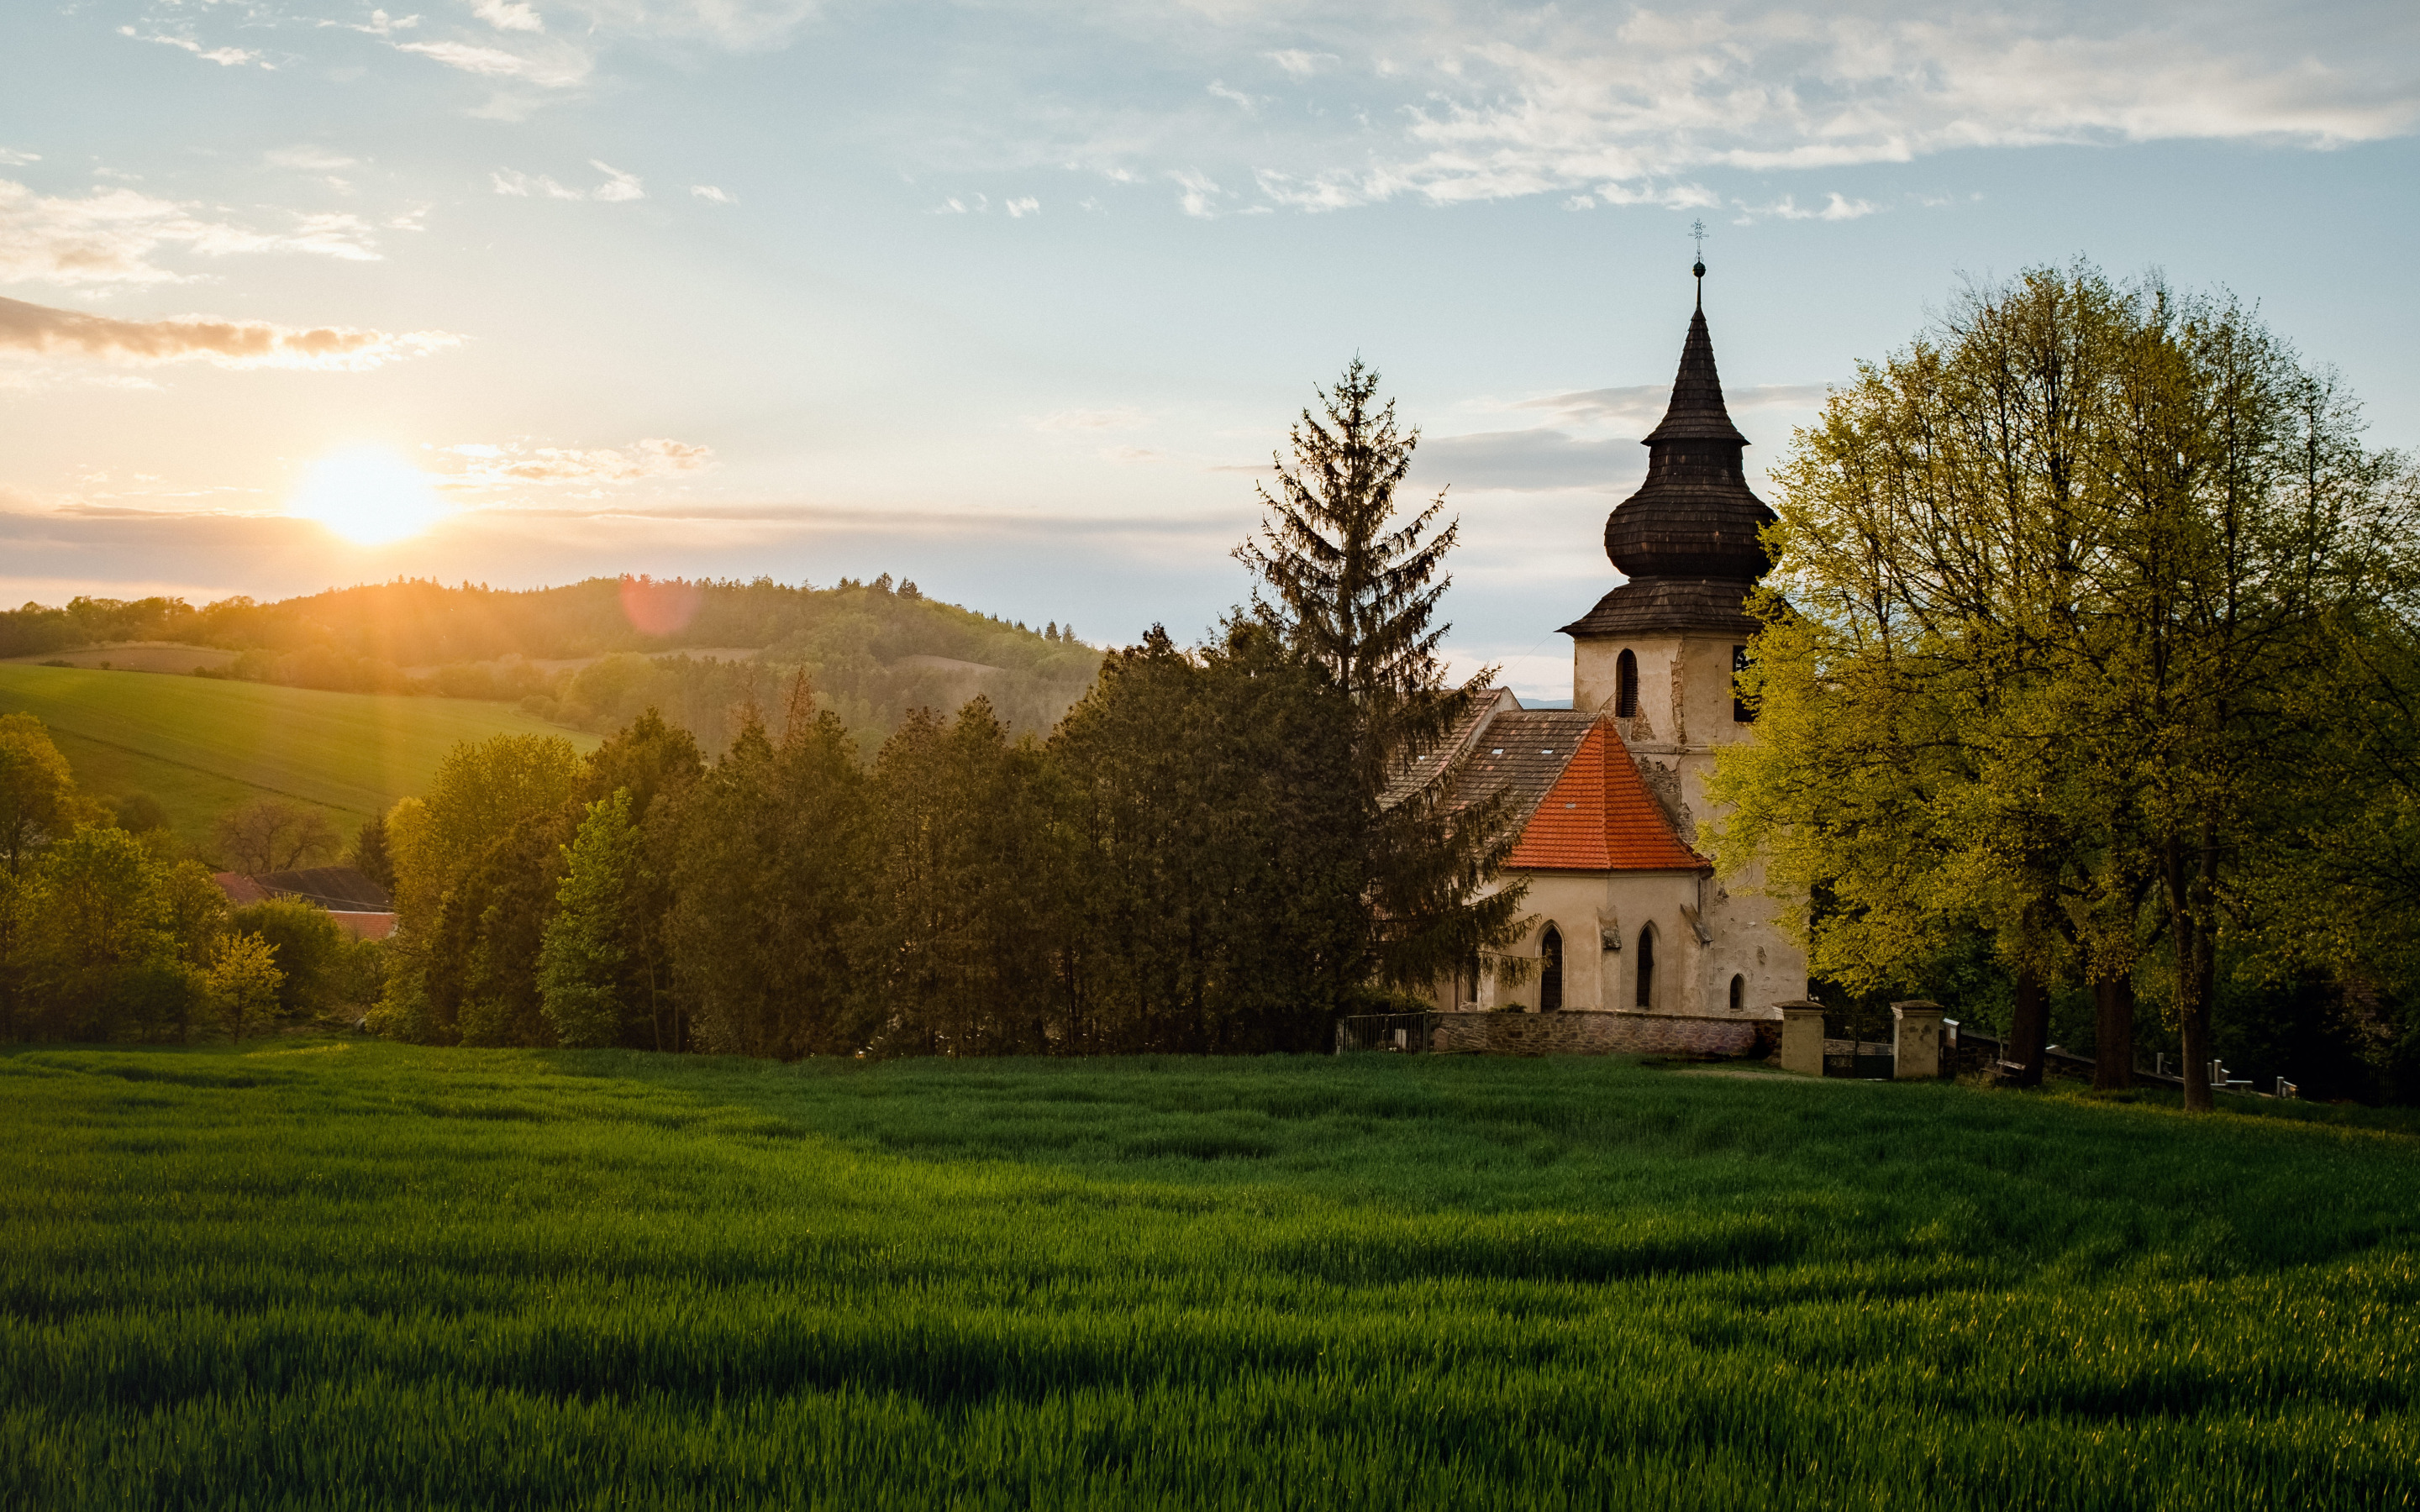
x=1550, y=976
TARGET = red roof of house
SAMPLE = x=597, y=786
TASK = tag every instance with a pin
x=1598, y=817
x=240, y=890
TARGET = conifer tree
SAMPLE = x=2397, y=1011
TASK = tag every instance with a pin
x=588, y=941
x=1353, y=585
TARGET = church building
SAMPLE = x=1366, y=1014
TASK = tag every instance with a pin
x=1625, y=914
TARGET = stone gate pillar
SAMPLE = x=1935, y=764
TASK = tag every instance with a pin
x=1916, y=1054
x=1801, y=1036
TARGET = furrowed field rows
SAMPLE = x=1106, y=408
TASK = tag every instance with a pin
x=200, y=746
x=351, y=1274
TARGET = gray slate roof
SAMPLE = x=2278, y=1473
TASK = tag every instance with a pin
x=1522, y=751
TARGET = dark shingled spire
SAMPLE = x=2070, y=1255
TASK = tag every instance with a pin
x=1697, y=412
x=1687, y=539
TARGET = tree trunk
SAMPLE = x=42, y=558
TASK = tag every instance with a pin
x=2113, y=1033
x=2030, y=1030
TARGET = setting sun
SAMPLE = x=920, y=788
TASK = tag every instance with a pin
x=368, y=496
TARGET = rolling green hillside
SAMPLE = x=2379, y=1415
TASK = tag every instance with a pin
x=201, y=746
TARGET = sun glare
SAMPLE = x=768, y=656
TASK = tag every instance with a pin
x=368, y=496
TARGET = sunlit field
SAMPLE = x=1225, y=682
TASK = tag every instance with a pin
x=339, y=1273
x=201, y=747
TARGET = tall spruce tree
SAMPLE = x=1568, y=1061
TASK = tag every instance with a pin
x=1353, y=584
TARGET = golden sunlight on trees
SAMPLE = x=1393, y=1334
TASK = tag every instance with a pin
x=243, y=983
x=274, y=835
x=2054, y=586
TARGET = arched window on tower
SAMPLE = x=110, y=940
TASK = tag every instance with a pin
x=1645, y=968
x=1739, y=993
x=1625, y=687
x=1740, y=711
x=1550, y=974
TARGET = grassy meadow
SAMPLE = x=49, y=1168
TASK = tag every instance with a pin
x=201, y=747
x=347, y=1274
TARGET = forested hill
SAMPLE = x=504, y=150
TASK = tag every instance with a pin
x=873, y=651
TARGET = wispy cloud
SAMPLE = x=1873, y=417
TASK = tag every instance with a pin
x=1237, y=97
x=1302, y=65
x=1641, y=405
x=1835, y=208
x=1455, y=101
x=559, y=68
x=719, y=196
x=510, y=15
x=487, y=464
x=16, y=160
x=224, y=56
x=111, y=236
x=617, y=188
x=41, y=330
x=1124, y=417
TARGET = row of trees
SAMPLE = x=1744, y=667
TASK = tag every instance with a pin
x=1197, y=858
x=2091, y=641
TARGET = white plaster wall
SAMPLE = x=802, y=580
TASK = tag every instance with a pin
x=1685, y=712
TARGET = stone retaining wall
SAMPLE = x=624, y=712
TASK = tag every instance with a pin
x=1601, y=1032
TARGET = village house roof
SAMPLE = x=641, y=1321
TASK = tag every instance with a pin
x=359, y=905
x=1580, y=801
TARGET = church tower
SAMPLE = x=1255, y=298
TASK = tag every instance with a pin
x=1658, y=652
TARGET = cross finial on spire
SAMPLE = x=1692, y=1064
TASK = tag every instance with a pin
x=1698, y=233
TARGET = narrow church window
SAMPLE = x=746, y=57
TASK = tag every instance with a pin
x=1739, y=993
x=1741, y=712
x=1646, y=968
x=1550, y=977
x=1625, y=687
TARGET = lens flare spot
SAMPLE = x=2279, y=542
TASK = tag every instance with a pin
x=368, y=496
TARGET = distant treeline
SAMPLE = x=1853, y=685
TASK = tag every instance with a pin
x=873, y=651
x=1179, y=867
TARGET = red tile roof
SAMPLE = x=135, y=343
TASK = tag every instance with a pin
x=1598, y=817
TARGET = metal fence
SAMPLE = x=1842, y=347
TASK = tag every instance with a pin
x=1402, y=1033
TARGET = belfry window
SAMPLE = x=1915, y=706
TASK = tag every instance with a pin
x=1625, y=687
x=1550, y=974
x=1646, y=967
x=1741, y=712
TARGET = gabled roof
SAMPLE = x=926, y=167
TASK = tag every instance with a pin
x=339, y=889
x=1581, y=804
x=1599, y=817
x=1485, y=704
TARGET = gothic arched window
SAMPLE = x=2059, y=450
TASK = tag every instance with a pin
x=1739, y=993
x=1625, y=687
x=1550, y=976
x=1646, y=967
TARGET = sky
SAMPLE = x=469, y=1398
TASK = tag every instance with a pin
x=1019, y=299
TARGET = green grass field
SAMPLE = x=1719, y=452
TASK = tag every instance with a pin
x=201, y=747
x=332, y=1274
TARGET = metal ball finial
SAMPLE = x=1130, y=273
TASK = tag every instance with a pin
x=1699, y=270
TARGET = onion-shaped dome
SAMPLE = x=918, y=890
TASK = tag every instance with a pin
x=1688, y=539
x=1695, y=516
